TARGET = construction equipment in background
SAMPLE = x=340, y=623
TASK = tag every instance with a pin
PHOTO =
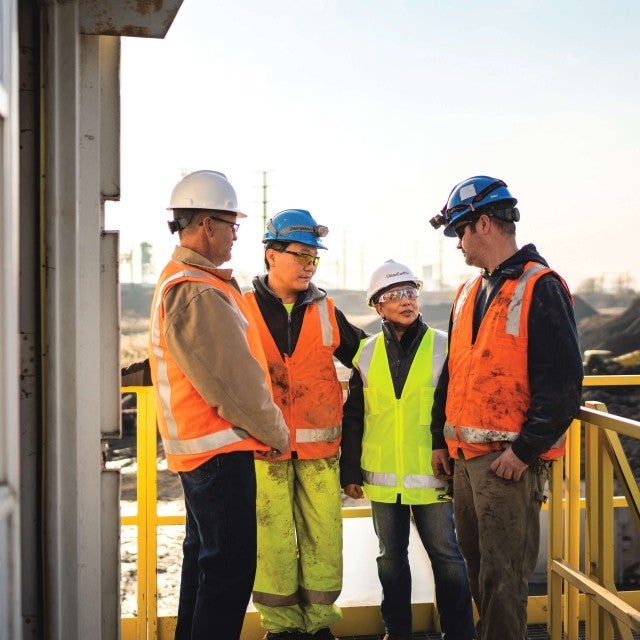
x=600, y=361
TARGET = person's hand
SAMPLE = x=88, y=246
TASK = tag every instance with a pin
x=354, y=491
x=508, y=466
x=441, y=464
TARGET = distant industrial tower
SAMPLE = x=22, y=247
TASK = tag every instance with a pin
x=147, y=269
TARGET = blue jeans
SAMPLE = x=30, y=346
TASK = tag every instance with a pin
x=434, y=523
x=219, y=548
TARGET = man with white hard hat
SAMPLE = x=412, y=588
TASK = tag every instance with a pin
x=214, y=406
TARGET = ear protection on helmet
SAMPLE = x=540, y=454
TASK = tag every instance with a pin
x=509, y=215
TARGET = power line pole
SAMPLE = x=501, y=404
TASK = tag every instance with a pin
x=440, y=266
x=264, y=202
x=344, y=259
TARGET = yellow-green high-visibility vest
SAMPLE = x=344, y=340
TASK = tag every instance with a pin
x=396, y=446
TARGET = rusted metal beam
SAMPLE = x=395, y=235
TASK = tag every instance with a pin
x=134, y=18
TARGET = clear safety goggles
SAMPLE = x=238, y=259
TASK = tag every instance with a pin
x=395, y=295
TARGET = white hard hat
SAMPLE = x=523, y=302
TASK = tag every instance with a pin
x=205, y=190
x=388, y=274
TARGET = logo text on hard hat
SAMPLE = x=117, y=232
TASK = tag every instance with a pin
x=397, y=273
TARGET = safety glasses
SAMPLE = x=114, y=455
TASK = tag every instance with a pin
x=395, y=295
x=234, y=225
x=303, y=259
x=461, y=228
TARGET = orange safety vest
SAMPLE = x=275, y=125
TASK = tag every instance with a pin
x=305, y=384
x=488, y=393
x=193, y=431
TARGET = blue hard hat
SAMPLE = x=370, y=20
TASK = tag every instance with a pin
x=469, y=197
x=295, y=225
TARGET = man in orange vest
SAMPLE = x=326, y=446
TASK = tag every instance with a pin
x=509, y=390
x=299, y=574
x=214, y=406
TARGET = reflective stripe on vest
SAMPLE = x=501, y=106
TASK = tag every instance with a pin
x=326, y=434
x=174, y=444
x=483, y=436
x=514, y=314
x=462, y=298
x=205, y=443
x=410, y=481
x=439, y=356
x=478, y=436
x=325, y=323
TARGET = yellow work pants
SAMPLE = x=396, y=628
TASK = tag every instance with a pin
x=299, y=572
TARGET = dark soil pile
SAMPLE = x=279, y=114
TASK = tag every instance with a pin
x=618, y=334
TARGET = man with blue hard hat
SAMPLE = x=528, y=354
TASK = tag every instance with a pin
x=299, y=507
x=509, y=389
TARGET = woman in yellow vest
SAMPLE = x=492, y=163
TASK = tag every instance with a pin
x=386, y=454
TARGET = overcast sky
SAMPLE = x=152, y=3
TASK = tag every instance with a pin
x=367, y=112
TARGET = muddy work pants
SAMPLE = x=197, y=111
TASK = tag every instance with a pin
x=498, y=527
x=299, y=573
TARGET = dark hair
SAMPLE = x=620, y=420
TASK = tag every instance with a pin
x=507, y=227
x=504, y=217
x=276, y=245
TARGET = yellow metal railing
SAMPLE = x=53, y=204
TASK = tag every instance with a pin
x=605, y=611
x=572, y=594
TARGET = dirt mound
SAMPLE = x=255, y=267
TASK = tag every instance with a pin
x=618, y=333
x=582, y=309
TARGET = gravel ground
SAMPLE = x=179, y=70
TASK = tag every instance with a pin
x=169, y=549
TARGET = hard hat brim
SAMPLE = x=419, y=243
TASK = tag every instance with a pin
x=235, y=212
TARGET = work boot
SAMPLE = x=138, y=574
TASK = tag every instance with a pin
x=321, y=634
x=283, y=635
